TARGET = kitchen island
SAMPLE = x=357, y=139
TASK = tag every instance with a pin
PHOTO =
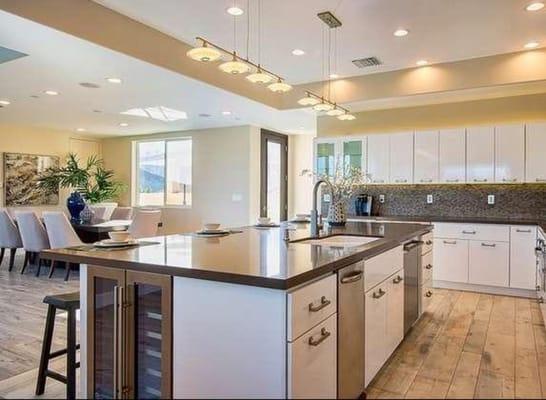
x=251, y=314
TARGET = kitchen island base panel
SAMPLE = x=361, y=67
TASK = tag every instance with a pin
x=468, y=287
x=229, y=340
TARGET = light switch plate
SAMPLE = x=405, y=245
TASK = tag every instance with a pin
x=381, y=198
x=490, y=199
x=429, y=199
x=236, y=197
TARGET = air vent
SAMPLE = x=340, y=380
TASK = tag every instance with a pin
x=367, y=62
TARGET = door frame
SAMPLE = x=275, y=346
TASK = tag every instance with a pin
x=267, y=136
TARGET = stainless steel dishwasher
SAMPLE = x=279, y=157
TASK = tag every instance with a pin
x=350, y=330
x=412, y=270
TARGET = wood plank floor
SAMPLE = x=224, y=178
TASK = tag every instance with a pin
x=469, y=345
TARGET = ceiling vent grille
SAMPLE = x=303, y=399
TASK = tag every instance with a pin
x=367, y=62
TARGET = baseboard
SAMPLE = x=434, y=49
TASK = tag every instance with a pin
x=531, y=294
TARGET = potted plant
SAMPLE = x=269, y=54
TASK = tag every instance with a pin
x=90, y=182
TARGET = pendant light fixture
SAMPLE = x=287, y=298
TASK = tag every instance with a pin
x=259, y=76
x=334, y=112
x=323, y=106
x=204, y=53
x=234, y=67
x=279, y=86
x=346, y=117
x=308, y=101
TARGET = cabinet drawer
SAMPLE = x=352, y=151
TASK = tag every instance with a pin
x=379, y=268
x=495, y=233
x=427, y=243
x=375, y=326
x=312, y=362
x=426, y=268
x=450, y=260
x=488, y=263
x=310, y=305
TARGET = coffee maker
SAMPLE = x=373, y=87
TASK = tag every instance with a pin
x=363, y=205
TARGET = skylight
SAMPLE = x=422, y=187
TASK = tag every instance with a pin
x=159, y=113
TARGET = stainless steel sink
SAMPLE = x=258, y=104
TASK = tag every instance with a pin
x=341, y=241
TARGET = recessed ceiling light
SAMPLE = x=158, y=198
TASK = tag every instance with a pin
x=535, y=6
x=400, y=32
x=5, y=102
x=334, y=76
x=235, y=11
x=531, y=45
x=51, y=92
x=113, y=80
x=298, y=52
x=80, y=129
x=124, y=124
x=226, y=112
x=421, y=63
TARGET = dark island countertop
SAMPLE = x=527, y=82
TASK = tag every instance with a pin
x=255, y=256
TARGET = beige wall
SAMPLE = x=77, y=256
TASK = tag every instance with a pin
x=300, y=157
x=32, y=140
x=501, y=110
x=225, y=169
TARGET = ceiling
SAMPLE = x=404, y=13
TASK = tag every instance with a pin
x=58, y=61
x=439, y=30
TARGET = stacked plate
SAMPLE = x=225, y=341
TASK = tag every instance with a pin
x=108, y=243
x=212, y=230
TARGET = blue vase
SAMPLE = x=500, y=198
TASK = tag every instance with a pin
x=75, y=204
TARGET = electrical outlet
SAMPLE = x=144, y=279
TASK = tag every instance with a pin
x=381, y=198
x=491, y=199
x=236, y=197
x=326, y=197
x=429, y=199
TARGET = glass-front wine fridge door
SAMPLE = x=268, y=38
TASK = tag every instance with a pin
x=104, y=307
x=150, y=335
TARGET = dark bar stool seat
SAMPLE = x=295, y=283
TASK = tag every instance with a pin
x=69, y=302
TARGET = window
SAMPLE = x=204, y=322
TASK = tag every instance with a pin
x=163, y=172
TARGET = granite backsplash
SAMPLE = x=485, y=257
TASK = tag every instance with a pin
x=521, y=201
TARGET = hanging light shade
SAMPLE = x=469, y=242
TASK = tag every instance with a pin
x=279, y=87
x=259, y=77
x=346, y=117
x=308, y=101
x=234, y=66
x=204, y=53
x=335, y=112
x=322, y=106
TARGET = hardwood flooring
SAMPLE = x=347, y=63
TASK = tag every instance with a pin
x=469, y=345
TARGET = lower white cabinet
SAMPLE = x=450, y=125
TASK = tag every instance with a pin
x=488, y=263
x=450, y=260
x=395, y=311
x=312, y=362
x=522, y=257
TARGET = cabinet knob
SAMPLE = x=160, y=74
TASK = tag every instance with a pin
x=428, y=242
x=397, y=280
x=380, y=293
x=428, y=266
x=428, y=293
x=324, y=302
x=323, y=336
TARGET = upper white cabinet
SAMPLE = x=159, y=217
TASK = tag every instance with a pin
x=401, y=157
x=379, y=158
x=452, y=156
x=325, y=156
x=536, y=150
x=510, y=153
x=480, y=154
x=426, y=157
x=353, y=152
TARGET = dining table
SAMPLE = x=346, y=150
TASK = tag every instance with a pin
x=94, y=232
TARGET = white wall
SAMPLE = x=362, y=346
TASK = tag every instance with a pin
x=300, y=157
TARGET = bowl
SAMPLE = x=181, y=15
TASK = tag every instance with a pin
x=119, y=236
x=211, y=226
x=264, y=221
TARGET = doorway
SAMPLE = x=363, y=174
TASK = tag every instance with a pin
x=274, y=176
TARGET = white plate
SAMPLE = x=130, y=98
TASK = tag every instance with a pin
x=272, y=225
x=112, y=243
x=300, y=220
x=212, y=232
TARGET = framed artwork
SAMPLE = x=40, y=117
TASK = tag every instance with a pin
x=21, y=172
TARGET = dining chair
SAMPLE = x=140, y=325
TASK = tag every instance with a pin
x=34, y=237
x=123, y=213
x=61, y=234
x=99, y=214
x=9, y=237
x=145, y=223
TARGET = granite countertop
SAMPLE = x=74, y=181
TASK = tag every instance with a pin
x=255, y=256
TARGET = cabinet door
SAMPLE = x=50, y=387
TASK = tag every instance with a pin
x=353, y=153
x=510, y=153
x=375, y=322
x=395, y=311
x=488, y=263
x=325, y=157
x=104, y=328
x=450, y=260
x=426, y=157
x=149, y=346
x=452, y=156
x=401, y=157
x=480, y=154
x=312, y=363
x=535, y=160
x=522, y=257
x=378, y=158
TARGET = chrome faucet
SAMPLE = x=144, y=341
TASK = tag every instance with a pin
x=315, y=225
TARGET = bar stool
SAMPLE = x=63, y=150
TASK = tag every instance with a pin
x=69, y=302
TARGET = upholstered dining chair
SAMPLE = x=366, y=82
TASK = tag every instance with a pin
x=61, y=234
x=34, y=237
x=9, y=237
x=145, y=223
x=123, y=213
x=99, y=214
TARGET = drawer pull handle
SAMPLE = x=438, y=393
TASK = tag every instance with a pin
x=480, y=180
x=489, y=245
x=540, y=300
x=378, y=181
x=426, y=180
x=380, y=293
x=428, y=293
x=323, y=303
x=540, y=180
x=509, y=180
x=352, y=278
x=400, y=180
x=428, y=242
x=523, y=230
x=428, y=266
x=452, y=180
x=450, y=242
x=397, y=280
x=469, y=232
x=323, y=336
